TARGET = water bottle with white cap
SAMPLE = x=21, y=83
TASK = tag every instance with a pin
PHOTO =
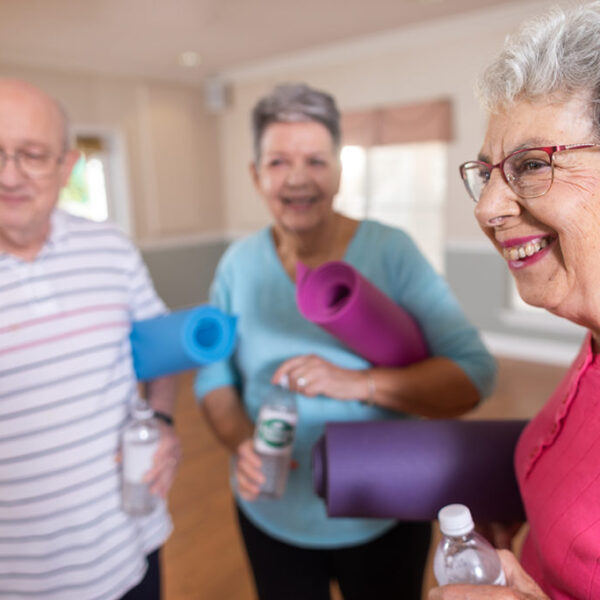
x=139, y=444
x=464, y=556
x=274, y=437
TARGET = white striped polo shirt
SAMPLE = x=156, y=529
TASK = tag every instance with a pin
x=66, y=385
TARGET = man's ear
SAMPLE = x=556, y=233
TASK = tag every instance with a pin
x=67, y=164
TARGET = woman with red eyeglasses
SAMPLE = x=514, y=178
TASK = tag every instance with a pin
x=536, y=185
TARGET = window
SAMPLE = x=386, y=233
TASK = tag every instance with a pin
x=395, y=169
x=98, y=189
x=402, y=185
x=85, y=194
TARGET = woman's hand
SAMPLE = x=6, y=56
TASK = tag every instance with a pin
x=248, y=474
x=166, y=460
x=311, y=375
x=519, y=586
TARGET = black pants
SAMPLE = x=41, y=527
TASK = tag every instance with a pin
x=388, y=567
x=149, y=587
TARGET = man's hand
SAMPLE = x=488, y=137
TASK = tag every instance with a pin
x=166, y=460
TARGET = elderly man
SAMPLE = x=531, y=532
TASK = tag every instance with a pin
x=69, y=289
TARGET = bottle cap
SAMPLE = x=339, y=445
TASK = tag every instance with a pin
x=142, y=410
x=455, y=519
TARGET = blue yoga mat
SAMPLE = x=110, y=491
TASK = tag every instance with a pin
x=181, y=340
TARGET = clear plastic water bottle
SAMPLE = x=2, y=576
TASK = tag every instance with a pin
x=464, y=556
x=139, y=443
x=274, y=437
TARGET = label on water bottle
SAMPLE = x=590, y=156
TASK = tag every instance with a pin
x=137, y=460
x=275, y=431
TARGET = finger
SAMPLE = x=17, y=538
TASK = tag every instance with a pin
x=285, y=368
x=246, y=487
x=251, y=472
x=162, y=471
x=247, y=455
x=470, y=592
x=518, y=578
x=162, y=483
x=312, y=389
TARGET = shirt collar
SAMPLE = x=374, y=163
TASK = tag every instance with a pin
x=59, y=232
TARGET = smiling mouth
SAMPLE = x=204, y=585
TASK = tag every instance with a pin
x=302, y=201
x=531, y=248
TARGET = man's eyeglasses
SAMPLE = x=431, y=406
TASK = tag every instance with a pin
x=32, y=164
x=529, y=173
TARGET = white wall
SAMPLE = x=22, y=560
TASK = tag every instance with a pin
x=423, y=62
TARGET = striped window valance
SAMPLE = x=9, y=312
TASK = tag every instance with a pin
x=399, y=124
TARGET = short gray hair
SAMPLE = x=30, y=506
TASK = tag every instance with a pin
x=295, y=102
x=556, y=54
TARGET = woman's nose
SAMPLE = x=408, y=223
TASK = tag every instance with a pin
x=297, y=175
x=497, y=202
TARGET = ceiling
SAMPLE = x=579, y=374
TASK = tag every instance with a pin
x=145, y=38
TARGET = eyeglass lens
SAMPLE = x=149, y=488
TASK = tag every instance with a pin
x=32, y=164
x=529, y=174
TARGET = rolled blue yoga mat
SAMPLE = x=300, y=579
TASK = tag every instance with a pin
x=409, y=469
x=181, y=340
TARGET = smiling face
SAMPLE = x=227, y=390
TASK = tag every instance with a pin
x=298, y=174
x=551, y=243
x=30, y=124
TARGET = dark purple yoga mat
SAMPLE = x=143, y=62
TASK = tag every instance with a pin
x=344, y=303
x=409, y=469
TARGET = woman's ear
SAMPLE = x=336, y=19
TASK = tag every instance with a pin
x=254, y=175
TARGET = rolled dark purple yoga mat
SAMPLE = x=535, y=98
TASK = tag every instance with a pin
x=409, y=469
x=344, y=303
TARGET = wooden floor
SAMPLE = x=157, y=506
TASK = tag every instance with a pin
x=203, y=559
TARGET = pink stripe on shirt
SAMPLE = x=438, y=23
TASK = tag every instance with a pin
x=63, y=336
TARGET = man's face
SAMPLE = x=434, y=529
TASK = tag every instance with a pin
x=31, y=129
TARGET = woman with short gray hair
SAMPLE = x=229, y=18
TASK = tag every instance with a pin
x=293, y=547
x=536, y=185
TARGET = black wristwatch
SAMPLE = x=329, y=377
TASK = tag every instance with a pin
x=164, y=417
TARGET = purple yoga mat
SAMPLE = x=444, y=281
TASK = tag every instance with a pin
x=408, y=470
x=344, y=303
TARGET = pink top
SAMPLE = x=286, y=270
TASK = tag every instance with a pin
x=558, y=469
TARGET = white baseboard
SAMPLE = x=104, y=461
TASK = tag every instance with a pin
x=524, y=348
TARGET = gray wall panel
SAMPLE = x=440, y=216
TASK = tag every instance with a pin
x=182, y=274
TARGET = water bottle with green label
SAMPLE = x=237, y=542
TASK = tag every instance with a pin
x=274, y=437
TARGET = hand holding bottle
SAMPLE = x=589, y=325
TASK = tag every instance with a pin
x=247, y=471
x=150, y=454
x=465, y=557
x=161, y=475
x=312, y=375
x=519, y=585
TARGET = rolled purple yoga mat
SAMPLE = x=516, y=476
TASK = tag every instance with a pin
x=408, y=469
x=344, y=303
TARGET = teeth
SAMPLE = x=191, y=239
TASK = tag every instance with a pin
x=528, y=249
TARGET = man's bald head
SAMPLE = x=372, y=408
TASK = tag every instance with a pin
x=42, y=103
